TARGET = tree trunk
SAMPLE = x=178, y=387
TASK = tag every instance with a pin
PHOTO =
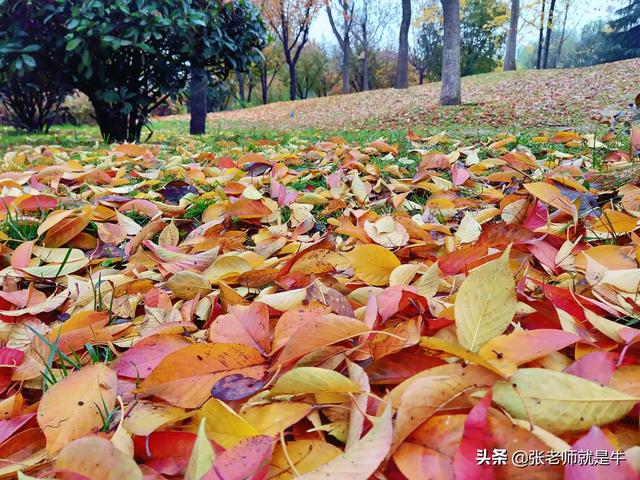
x=346, y=48
x=365, y=70
x=540, y=37
x=292, y=80
x=450, y=94
x=421, y=76
x=116, y=126
x=547, y=40
x=402, y=69
x=240, y=80
x=562, y=37
x=510, y=56
x=263, y=83
x=198, y=101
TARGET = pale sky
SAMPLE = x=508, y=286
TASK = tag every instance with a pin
x=581, y=12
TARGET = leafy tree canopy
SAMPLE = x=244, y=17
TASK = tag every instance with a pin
x=128, y=56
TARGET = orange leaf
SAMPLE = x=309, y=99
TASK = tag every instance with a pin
x=72, y=407
x=184, y=378
x=98, y=459
x=64, y=231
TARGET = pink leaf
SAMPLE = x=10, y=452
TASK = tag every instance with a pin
x=140, y=360
x=248, y=325
x=594, y=441
x=595, y=366
x=248, y=460
x=22, y=255
x=476, y=437
x=459, y=175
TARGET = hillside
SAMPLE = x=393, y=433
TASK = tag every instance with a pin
x=526, y=98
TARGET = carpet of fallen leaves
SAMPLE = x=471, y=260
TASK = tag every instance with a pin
x=321, y=310
x=514, y=100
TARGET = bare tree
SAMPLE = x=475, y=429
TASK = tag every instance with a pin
x=426, y=50
x=547, y=40
x=290, y=21
x=540, y=37
x=371, y=16
x=512, y=37
x=342, y=32
x=402, y=69
x=450, y=94
x=563, y=33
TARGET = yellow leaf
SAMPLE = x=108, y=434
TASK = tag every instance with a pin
x=614, y=222
x=306, y=455
x=224, y=426
x=485, y=303
x=186, y=285
x=55, y=270
x=58, y=255
x=284, y=301
x=469, y=229
x=552, y=195
x=313, y=380
x=373, y=264
x=437, y=344
x=71, y=408
x=273, y=418
x=403, y=274
x=429, y=282
x=361, y=460
x=169, y=236
x=145, y=417
x=202, y=455
x=226, y=268
x=560, y=402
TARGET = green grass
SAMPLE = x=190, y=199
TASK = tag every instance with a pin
x=171, y=133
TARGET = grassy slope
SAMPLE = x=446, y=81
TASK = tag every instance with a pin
x=504, y=100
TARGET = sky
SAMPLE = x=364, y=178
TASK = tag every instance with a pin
x=580, y=13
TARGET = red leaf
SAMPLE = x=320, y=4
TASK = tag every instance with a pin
x=11, y=426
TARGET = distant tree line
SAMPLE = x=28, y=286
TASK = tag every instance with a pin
x=131, y=57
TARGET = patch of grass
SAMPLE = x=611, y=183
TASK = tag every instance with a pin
x=285, y=214
x=140, y=218
x=19, y=230
x=303, y=184
x=197, y=208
